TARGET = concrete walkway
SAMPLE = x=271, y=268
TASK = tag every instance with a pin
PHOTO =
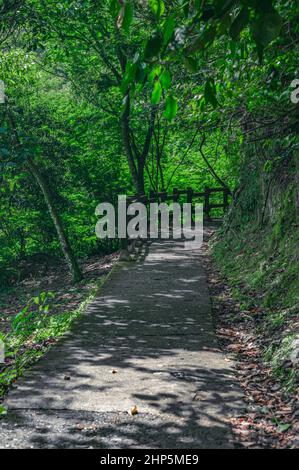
x=148, y=341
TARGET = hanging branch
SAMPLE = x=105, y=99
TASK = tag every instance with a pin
x=211, y=169
x=151, y=179
x=183, y=158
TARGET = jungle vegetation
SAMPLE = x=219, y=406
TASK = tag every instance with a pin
x=108, y=97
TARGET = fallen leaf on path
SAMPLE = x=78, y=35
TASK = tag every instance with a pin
x=80, y=427
x=133, y=411
x=284, y=427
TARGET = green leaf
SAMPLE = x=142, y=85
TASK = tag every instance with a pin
x=204, y=40
x=168, y=29
x=157, y=7
x=186, y=9
x=171, y=108
x=153, y=46
x=141, y=72
x=266, y=27
x=210, y=93
x=129, y=75
x=284, y=427
x=128, y=16
x=239, y=23
x=165, y=79
x=154, y=73
x=268, y=166
x=3, y=410
x=190, y=64
x=157, y=93
x=114, y=8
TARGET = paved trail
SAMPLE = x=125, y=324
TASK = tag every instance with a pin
x=152, y=325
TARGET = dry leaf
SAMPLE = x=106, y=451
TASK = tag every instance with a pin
x=133, y=411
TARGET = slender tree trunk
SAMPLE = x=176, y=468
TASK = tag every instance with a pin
x=65, y=245
x=145, y=151
x=42, y=182
x=125, y=127
x=136, y=158
x=140, y=180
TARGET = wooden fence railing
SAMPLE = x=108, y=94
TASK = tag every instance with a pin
x=190, y=196
x=176, y=195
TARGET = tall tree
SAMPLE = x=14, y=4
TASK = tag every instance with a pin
x=49, y=200
x=98, y=57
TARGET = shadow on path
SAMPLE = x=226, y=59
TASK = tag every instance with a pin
x=148, y=340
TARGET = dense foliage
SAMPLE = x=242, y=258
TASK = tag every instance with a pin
x=111, y=97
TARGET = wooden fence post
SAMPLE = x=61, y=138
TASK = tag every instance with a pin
x=189, y=201
x=175, y=195
x=152, y=196
x=189, y=195
x=163, y=195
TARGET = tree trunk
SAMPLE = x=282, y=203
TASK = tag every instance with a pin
x=136, y=159
x=140, y=180
x=125, y=127
x=65, y=245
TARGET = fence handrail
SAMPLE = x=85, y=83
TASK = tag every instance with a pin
x=164, y=196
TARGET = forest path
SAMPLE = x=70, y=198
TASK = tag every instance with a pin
x=147, y=340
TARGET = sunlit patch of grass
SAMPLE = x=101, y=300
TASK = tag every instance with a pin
x=26, y=345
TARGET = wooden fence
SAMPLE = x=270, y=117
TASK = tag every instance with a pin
x=190, y=196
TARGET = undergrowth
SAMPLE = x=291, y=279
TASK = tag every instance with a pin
x=262, y=268
x=33, y=330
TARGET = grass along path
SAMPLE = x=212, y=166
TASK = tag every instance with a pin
x=37, y=311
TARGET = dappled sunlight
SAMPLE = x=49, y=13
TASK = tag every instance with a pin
x=147, y=340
